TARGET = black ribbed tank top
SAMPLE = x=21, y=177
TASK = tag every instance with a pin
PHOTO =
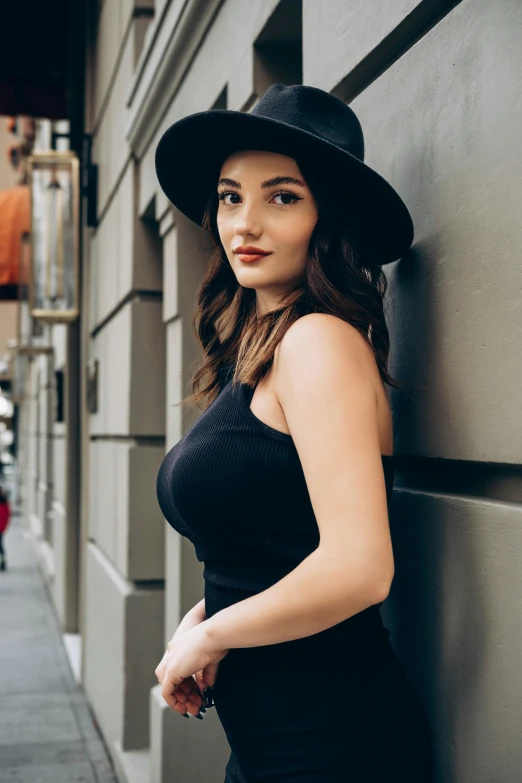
x=234, y=486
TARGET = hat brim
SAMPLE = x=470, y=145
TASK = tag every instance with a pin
x=190, y=153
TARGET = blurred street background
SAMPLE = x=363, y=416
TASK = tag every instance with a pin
x=47, y=730
x=98, y=275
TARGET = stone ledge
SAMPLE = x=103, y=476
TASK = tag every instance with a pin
x=131, y=766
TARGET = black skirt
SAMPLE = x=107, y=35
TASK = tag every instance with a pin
x=312, y=711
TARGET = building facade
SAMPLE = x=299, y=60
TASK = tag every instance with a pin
x=435, y=87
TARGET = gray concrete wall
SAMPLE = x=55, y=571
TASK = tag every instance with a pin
x=442, y=122
x=123, y=531
x=435, y=89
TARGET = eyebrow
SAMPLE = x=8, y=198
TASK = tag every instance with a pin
x=268, y=183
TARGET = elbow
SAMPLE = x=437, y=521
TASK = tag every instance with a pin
x=381, y=588
x=380, y=592
x=371, y=582
x=383, y=572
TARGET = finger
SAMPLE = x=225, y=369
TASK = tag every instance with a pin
x=170, y=689
x=171, y=699
x=202, y=678
x=189, y=696
x=186, y=686
x=181, y=696
x=180, y=707
x=160, y=669
x=176, y=705
x=191, y=703
x=188, y=705
x=210, y=673
x=193, y=707
x=160, y=666
x=185, y=689
x=200, y=682
x=196, y=698
x=206, y=677
x=188, y=691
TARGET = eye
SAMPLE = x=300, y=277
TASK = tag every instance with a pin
x=223, y=193
x=285, y=194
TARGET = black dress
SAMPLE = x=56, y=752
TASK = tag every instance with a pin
x=334, y=707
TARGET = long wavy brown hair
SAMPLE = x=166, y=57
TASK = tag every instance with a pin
x=338, y=280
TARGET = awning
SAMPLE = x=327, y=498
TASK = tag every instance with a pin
x=14, y=221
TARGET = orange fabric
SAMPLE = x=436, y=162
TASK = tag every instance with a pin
x=14, y=220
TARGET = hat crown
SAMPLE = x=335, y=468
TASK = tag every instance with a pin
x=315, y=111
x=304, y=123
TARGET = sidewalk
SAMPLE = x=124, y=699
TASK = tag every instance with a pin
x=47, y=733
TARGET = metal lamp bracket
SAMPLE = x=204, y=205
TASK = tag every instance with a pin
x=88, y=176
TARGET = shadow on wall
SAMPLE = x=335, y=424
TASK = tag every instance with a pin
x=439, y=623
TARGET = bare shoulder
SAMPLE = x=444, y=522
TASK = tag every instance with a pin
x=320, y=344
x=325, y=377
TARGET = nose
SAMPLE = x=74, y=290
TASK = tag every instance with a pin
x=247, y=222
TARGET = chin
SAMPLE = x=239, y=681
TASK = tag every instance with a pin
x=247, y=275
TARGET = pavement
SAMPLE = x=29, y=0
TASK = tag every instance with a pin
x=47, y=731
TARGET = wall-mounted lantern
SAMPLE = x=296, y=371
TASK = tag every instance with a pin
x=21, y=355
x=18, y=373
x=54, y=185
x=28, y=327
x=24, y=267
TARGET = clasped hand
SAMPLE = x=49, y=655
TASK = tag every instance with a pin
x=188, y=666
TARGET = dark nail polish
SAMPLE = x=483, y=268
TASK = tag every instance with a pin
x=184, y=714
x=199, y=717
x=202, y=709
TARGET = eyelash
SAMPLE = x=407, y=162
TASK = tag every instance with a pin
x=223, y=193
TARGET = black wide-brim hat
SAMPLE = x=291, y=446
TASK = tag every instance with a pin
x=293, y=120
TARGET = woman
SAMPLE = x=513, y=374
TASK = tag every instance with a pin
x=5, y=515
x=283, y=482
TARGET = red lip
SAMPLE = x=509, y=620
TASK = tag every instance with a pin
x=248, y=250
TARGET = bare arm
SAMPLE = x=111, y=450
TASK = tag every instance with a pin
x=193, y=617
x=325, y=382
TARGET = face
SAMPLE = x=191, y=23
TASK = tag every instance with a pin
x=264, y=203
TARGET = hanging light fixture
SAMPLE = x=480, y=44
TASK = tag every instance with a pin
x=54, y=185
x=28, y=327
x=18, y=372
x=19, y=357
